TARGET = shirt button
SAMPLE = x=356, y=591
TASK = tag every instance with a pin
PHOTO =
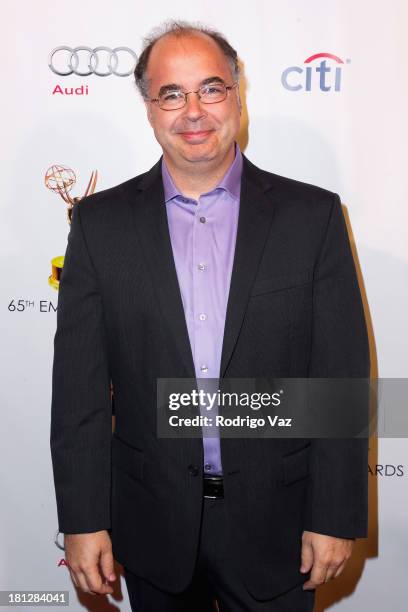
x=202, y=219
x=208, y=466
x=202, y=316
x=201, y=266
x=193, y=470
x=204, y=368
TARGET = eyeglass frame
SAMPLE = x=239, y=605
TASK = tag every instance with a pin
x=186, y=93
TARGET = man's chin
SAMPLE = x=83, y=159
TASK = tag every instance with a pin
x=205, y=151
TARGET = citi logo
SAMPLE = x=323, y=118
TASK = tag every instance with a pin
x=325, y=74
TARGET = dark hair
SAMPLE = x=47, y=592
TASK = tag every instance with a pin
x=180, y=28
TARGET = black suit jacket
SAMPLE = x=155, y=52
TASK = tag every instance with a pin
x=294, y=310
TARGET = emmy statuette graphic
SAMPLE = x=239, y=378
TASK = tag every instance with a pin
x=60, y=179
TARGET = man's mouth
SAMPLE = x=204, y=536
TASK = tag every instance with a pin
x=196, y=135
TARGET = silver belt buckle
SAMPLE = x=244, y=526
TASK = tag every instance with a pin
x=214, y=496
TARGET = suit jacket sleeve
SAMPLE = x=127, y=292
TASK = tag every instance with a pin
x=338, y=494
x=81, y=405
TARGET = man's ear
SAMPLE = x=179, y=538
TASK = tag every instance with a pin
x=148, y=111
x=239, y=101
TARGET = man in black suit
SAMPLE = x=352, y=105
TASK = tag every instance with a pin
x=203, y=266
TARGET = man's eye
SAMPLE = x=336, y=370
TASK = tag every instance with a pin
x=172, y=95
x=213, y=89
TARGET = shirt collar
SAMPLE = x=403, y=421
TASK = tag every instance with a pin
x=230, y=182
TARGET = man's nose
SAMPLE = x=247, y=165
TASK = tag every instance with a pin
x=194, y=108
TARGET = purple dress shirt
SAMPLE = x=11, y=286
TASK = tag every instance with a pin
x=203, y=236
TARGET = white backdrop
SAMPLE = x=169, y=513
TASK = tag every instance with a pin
x=352, y=141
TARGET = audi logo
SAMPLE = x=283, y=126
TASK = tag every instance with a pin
x=83, y=61
x=56, y=541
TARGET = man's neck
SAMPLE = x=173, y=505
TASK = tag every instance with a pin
x=197, y=179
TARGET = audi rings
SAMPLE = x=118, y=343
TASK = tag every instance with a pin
x=109, y=57
x=57, y=543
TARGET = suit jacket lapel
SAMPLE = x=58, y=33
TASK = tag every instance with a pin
x=255, y=216
x=150, y=218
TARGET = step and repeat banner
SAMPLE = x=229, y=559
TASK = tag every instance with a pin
x=325, y=97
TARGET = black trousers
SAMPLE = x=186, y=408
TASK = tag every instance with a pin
x=215, y=579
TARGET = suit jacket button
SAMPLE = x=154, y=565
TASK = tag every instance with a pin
x=193, y=470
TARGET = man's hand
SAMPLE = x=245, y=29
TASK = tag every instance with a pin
x=90, y=561
x=326, y=555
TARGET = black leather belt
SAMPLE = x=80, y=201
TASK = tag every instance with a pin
x=213, y=487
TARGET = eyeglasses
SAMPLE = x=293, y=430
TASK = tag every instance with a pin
x=212, y=93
